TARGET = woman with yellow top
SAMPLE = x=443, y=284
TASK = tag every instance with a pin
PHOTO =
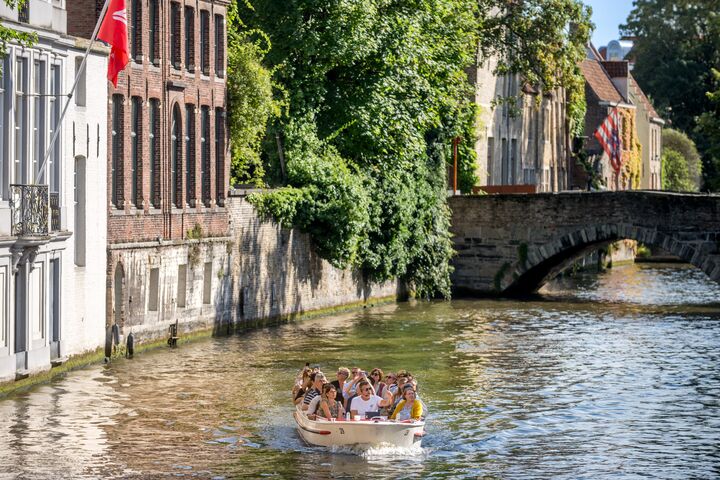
x=409, y=407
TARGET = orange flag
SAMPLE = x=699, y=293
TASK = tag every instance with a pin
x=114, y=31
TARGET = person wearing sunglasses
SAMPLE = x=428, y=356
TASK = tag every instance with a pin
x=367, y=401
x=376, y=376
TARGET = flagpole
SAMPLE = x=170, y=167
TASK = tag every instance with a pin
x=56, y=133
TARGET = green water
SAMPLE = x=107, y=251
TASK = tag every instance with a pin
x=614, y=375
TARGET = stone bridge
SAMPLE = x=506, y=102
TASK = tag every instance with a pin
x=513, y=244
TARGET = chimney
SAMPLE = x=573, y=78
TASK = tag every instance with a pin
x=618, y=72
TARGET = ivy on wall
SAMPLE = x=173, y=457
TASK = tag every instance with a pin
x=631, y=170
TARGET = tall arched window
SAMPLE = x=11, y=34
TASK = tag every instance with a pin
x=176, y=158
x=190, y=154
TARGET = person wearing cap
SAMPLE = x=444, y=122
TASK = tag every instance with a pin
x=409, y=408
x=315, y=391
x=367, y=401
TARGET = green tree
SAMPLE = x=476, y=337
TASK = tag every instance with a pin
x=679, y=142
x=8, y=34
x=374, y=91
x=708, y=129
x=677, y=43
x=675, y=173
x=250, y=99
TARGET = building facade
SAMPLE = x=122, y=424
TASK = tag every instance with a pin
x=168, y=164
x=523, y=134
x=52, y=224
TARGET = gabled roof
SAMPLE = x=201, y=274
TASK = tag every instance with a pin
x=646, y=102
x=599, y=81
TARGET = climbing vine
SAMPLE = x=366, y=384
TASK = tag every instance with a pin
x=631, y=170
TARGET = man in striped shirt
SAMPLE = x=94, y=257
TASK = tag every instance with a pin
x=315, y=391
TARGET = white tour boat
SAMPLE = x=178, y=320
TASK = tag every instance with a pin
x=366, y=432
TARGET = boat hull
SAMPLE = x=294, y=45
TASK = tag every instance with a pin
x=326, y=433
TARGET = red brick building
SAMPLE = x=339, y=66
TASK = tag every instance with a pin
x=168, y=158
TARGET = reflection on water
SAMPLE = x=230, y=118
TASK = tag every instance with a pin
x=611, y=375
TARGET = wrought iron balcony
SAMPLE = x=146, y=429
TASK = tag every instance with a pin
x=33, y=210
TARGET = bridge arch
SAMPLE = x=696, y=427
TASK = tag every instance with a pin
x=543, y=262
x=513, y=244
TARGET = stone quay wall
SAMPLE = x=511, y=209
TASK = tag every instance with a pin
x=258, y=273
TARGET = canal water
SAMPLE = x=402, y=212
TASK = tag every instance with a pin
x=601, y=376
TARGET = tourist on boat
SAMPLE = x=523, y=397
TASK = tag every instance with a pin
x=367, y=401
x=329, y=406
x=351, y=385
x=315, y=390
x=299, y=395
x=390, y=381
x=350, y=390
x=409, y=408
x=376, y=376
x=342, y=376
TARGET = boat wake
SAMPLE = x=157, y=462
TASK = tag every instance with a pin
x=380, y=451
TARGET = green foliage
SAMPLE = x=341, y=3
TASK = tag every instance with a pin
x=373, y=94
x=708, y=129
x=682, y=144
x=376, y=91
x=11, y=35
x=325, y=197
x=675, y=173
x=250, y=99
x=643, y=251
x=677, y=42
x=544, y=40
x=195, y=233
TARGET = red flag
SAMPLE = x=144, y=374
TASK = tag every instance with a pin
x=608, y=134
x=113, y=31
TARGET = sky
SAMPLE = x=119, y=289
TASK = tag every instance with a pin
x=607, y=15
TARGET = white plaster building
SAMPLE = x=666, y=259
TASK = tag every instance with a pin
x=521, y=143
x=53, y=226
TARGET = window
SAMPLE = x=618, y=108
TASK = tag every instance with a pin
x=513, y=161
x=153, y=291
x=490, y=153
x=24, y=12
x=190, y=39
x=220, y=156
x=504, y=164
x=39, y=118
x=21, y=115
x=205, y=162
x=205, y=42
x=182, y=286
x=154, y=145
x=154, y=31
x=80, y=97
x=176, y=158
x=53, y=167
x=3, y=163
x=190, y=154
x=219, y=45
x=80, y=202
x=207, y=283
x=136, y=31
x=4, y=330
x=136, y=153
x=117, y=151
x=175, y=48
